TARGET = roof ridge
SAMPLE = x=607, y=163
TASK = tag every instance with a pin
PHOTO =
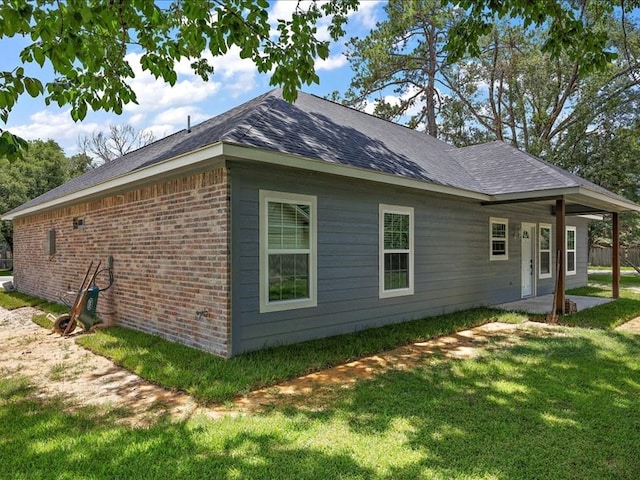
x=548, y=167
x=256, y=112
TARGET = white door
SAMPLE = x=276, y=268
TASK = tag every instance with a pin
x=528, y=267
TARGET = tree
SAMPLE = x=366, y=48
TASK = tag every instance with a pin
x=529, y=98
x=552, y=105
x=405, y=54
x=78, y=164
x=120, y=139
x=85, y=42
x=43, y=167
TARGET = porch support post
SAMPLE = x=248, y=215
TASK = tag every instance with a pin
x=560, y=252
x=615, y=257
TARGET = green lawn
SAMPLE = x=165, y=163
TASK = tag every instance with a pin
x=552, y=407
x=211, y=379
x=13, y=300
x=561, y=407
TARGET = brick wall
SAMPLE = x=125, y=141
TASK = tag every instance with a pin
x=170, y=245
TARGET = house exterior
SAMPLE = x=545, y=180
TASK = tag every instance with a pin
x=277, y=223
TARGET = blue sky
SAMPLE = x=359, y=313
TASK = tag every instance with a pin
x=163, y=109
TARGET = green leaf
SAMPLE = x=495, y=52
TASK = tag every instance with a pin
x=33, y=86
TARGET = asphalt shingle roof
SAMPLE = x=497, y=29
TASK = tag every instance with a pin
x=316, y=128
x=500, y=168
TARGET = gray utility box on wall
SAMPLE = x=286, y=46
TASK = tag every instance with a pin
x=50, y=243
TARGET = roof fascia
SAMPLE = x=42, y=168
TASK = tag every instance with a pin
x=580, y=194
x=196, y=158
x=241, y=152
x=621, y=204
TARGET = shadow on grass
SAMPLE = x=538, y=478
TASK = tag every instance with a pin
x=39, y=440
x=556, y=407
x=211, y=379
x=559, y=407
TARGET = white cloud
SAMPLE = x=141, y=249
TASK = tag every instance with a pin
x=137, y=119
x=332, y=63
x=154, y=94
x=178, y=116
x=366, y=14
x=46, y=124
x=370, y=105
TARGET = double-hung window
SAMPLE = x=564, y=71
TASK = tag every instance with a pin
x=287, y=251
x=544, y=249
x=396, y=251
x=571, y=250
x=498, y=239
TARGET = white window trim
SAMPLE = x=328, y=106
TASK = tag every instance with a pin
x=540, y=250
x=493, y=257
x=265, y=305
x=575, y=251
x=398, y=292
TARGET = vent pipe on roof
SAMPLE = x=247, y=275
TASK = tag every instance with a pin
x=188, y=123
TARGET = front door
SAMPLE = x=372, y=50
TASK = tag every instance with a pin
x=528, y=267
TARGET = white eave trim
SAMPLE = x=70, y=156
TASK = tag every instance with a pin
x=219, y=150
x=321, y=166
x=222, y=151
x=622, y=204
x=577, y=194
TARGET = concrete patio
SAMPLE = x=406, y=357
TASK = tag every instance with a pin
x=543, y=303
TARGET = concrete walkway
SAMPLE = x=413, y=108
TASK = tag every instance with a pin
x=543, y=303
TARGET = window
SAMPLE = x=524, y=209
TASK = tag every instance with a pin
x=396, y=251
x=571, y=250
x=499, y=239
x=544, y=243
x=287, y=251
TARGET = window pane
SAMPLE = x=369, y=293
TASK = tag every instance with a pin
x=396, y=271
x=288, y=225
x=498, y=230
x=571, y=240
x=545, y=262
x=545, y=236
x=396, y=231
x=571, y=261
x=499, y=247
x=288, y=277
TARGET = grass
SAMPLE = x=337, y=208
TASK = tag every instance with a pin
x=5, y=273
x=213, y=380
x=13, y=300
x=623, y=268
x=561, y=407
x=609, y=315
x=210, y=379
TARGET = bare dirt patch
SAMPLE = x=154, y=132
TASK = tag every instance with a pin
x=58, y=367
x=632, y=326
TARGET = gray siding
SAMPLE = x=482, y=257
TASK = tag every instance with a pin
x=452, y=267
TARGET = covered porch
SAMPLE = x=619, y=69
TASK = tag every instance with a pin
x=588, y=201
